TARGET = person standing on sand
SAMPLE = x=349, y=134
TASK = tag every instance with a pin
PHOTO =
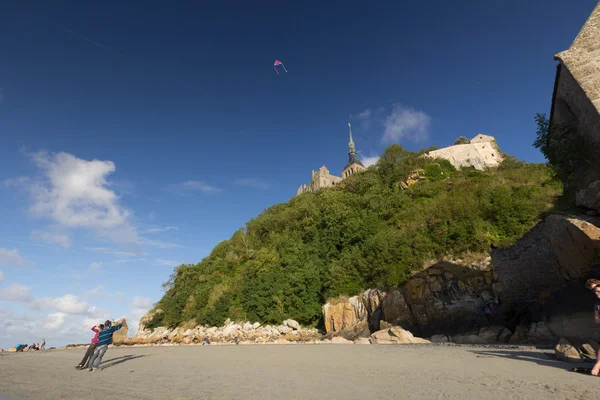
x=594, y=286
x=105, y=337
x=43, y=345
x=91, y=347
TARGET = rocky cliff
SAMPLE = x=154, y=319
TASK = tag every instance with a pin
x=540, y=280
x=441, y=299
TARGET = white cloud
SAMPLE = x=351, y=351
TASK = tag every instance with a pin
x=95, y=265
x=93, y=292
x=60, y=239
x=405, y=123
x=160, y=229
x=365, y=118
x=168, y=263
x=15, y=292
x=76, y=194
x=1, y=276
x=18, y=182
x=112, y=251
x=68, y=304
x=368, y=161
x=141, y=302
x=55, y=320
x=129, y=260
x=195, y=186
x=158, y=243
x=11, y=258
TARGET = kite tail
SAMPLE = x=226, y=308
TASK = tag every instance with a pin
x=275, y=68
x=283, y=67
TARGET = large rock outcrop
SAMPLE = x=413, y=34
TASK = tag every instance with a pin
x=480, y=153
x=442, y=298
x=343, y=313
x=121, y=334
x=558, y=250
x=545, y=272
x=590, y=197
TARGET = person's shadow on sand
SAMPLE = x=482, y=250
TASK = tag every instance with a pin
x=119, y=360
x=539, y=358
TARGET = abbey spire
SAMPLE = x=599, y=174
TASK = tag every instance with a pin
x=354, y=165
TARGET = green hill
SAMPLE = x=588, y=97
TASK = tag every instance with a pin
x=367, y=232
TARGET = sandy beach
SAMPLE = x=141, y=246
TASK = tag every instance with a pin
x=297, y=372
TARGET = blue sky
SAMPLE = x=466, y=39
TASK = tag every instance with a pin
x=135, y=138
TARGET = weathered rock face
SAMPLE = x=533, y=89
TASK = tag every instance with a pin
x=395, y=334
x=121, y=334
x=440, y=299
x=480, y=153
x=344, y=313
x=590, y=197
x=147, y=318
x=565, y=351
x=547, y=269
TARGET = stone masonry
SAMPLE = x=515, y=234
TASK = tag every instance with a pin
x=480, y=153
x=576, y=97
x=322, y=179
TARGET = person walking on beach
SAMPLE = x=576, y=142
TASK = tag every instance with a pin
x=594, y=286
x=105, y=337
x=91, y=347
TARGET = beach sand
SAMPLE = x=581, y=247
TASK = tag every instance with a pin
x=297, y=372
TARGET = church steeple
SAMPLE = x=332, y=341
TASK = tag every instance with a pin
x=354, y=164
x=351, y=148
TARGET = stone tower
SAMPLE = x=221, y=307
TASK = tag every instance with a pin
x=354, y=165
x=576, y=96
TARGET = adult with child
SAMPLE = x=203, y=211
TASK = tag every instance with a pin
x=90, y=350
x=594, y=286
x=105, y=337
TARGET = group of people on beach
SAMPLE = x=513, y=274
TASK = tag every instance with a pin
x=35, y=346
x=97, y=348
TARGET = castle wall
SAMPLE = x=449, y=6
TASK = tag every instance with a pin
x=477, y=155
x=320, y=180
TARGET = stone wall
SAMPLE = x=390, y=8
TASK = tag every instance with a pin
x=576, y=97
x=479, y=155
x=320, y=179
x=557, y=251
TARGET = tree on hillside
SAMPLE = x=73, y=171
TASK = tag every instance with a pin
x=565, y=149
x=461, y=140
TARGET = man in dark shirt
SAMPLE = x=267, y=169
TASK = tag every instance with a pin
x=594, y=286
x=105, y=337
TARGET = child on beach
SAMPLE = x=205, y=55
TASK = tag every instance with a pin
x=91, y=347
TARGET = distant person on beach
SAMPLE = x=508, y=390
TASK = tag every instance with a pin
x=90, y=350
x=105, y=337
x=21, y=347
x=594, y=286
x=43, y=345
x=205, y=340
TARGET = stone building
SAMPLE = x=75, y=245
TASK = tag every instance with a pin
x=323, y=179
x=576, y=96
x=480, y=153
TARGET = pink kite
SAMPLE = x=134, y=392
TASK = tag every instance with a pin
x=276, y=63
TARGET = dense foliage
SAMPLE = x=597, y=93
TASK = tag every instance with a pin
x=567, y=152
x=367, y=232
